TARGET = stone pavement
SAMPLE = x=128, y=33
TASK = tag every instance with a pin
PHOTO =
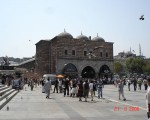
x=135, y=98
x=32, y=105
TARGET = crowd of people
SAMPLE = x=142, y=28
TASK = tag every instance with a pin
x=18, y=82
x=81, y=88
x=73, y=87
x=137, y=82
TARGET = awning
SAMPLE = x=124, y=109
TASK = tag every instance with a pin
x=60, y=76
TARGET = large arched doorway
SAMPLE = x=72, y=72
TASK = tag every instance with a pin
x=104, y=72
x=88, y=72
x=70, y=70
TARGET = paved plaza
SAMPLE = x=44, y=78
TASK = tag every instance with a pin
x=32, y=105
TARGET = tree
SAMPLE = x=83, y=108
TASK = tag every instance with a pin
x=135, y=65
x=118, y=67
x=146, y=68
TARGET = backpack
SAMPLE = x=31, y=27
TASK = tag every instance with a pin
x=86, y=86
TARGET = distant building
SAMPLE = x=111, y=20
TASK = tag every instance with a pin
x=12, y=64
x=124, y=55
x=28, y=64
x=14, y=61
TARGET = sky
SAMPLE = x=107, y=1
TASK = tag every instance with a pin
x=25, y=22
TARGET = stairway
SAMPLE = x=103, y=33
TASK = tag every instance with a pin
x=6, y=94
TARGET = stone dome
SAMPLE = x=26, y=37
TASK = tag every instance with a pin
x=98, y=39
x=82, y=37
x=65, y=34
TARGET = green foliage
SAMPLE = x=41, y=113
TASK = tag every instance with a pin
x=146, y=68
x=117, y=67
x=135, y=65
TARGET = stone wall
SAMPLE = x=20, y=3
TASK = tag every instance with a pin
x=81, y=64
x=42, y=57
x=51, y=57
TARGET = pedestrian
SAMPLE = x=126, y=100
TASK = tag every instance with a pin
x=47, y=87
x=145, y=84
x=148, y=99
x=60, y=85
x=91, y=90
x=115, y=82
x=74, y=88
x=121, y=90
x=139, y=83
x=36, y=82
x=86, y=90
x=31, y=84
x=135, y=84
x=129, y=83
x=99, y=88
x=71, y=86
x=80, y=90
x=66, y=87
x=94, y=87
x=28, y=82
x=56, y=86
x=42, y=83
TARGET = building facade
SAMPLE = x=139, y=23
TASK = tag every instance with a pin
x=80, y=56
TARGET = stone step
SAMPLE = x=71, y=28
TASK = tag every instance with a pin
x=9, y=97
x=1, y=85
x=4, y=90
x=6, y=94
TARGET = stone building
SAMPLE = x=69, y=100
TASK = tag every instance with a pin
x=80, y=56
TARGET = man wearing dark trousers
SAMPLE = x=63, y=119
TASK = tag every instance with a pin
x=66, y=87
x=135, y=84
x=56, y=86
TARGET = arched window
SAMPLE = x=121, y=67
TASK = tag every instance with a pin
x=85, y=52
x=74, y=52
x=65, y=51
x=106, y=54
x=101, y=54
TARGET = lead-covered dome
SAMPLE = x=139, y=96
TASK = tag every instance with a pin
x=98, y=39
x=65, y=34
x=82, y=37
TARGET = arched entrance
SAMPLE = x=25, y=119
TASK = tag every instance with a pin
x=104, y=72
x=70, y=70
x=88, y=72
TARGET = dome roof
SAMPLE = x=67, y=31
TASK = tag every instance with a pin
x=82, y=37
x=98, y=39
x=65, y=34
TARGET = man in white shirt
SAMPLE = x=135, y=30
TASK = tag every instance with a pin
x=91, y=90
x=148, y=98
x=129, y=83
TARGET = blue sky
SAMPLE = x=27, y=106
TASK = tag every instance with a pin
x=115, y=20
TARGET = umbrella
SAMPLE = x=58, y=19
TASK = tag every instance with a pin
x=60, y=76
